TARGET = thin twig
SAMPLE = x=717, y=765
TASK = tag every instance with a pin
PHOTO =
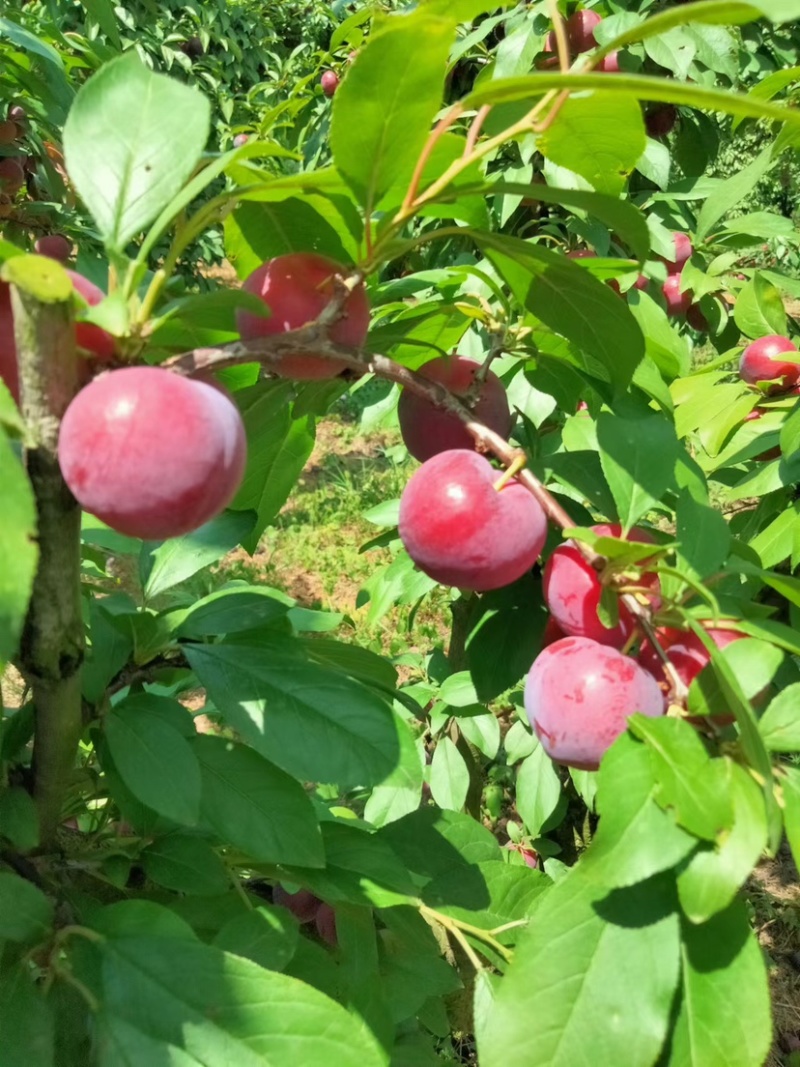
x=475, y=129
x=562, y=42
x=440, y=128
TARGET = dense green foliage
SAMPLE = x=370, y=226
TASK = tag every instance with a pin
x=358, y=857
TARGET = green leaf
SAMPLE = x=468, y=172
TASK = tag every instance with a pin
x=26, y=1021
x=255, y=806
x=312, y=721
x=153, y=758
x=383, y=109
x=689, y=782
x=19, y=820
x=26, y=914
x=791, y=801
x=714, y=874
x=19, y=554
x=538, y=791
x=277, y=449
x=754, y=664
x=502, y=894
x=449, y=776
x=638, y=458
x=400, y=792
x=267, y=936
x=230, y=611
x=724, y=1016
x=601, y=137
x=128, y=163
x=780, y=724
x=570, y=301
x=186, y=864
x=168, y=1000
x=759, y=308
x=111, y=648
x=734, y=190
x=171, y=562
x=412, y=969
x=563, y=999
x=431, y=842
x=505, y=636
x=635, y=838
x=641, y=87
x=790, y=433
x=703, y=534
x=258, y=231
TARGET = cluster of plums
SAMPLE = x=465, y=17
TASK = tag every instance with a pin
x=155, y=455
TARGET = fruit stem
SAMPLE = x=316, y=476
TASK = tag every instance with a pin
x=511, y=471
x=562, y=44
x=678, y=692
x=51, y=648
x=441, y=127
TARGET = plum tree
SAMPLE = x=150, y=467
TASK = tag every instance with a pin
x=678, y=303
x=329, y=82
x=683, y=252
x=572, y=590
x=302, y=904
x=296, y=287
x=9, y=371
x=428, y=429
x=578, y=696
x=461, y=529
x=761, y=362
x=57, y=246
x=152, y=454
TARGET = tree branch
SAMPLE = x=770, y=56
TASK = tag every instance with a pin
x=51, y=650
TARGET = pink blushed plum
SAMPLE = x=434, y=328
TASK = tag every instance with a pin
x=580, y=28
x=609, y=64
x=296, y=288
x=88, y=336
x=685, y=651
x=578, y=696
x=428, y=429
x=329, y=82
x=572, y=590
x=152, y=454
x=461, y=530
x=761, y=362
x=683, y=252
x=302, y=904
x=325, y=922
x=9, y=370
x=54, y=246
x=678, y=303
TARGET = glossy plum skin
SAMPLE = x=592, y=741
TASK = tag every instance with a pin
x=152, y=454
x=759, y=363
x=296, y=287
x=325, y=922
x=329, y=82
x=462, y=531
x=572, y=591
x=685, y=651
x=54, y=246
x=87, y=335
x=678, y=303
x=609, y=64
x=683, y=252
x=12, y=176
x=302, y=904
x=580, y=29
x=660, y=120
x=578, y=696
x=9, y=372
x=428, y=430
